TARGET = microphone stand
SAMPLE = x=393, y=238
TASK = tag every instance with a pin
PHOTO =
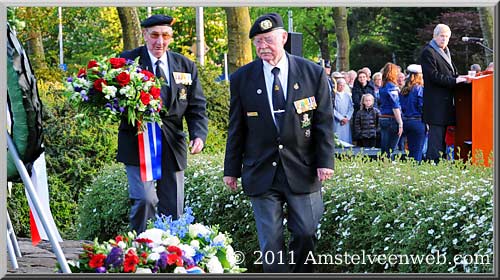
x=482, y=45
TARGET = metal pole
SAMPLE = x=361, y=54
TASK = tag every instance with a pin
x=36, y=202
x=200, y=36
x=12, y=236
x=12, y=255
x=226, y=76
x=290, y=21
x=61, y=52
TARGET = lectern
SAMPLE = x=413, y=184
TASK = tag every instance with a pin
x=474, y=120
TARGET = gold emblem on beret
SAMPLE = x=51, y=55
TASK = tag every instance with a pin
x=266, y=24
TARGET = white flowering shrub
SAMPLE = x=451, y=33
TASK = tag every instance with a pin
x=376, y=207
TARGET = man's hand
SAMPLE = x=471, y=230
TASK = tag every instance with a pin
x=196, y=145
x=324, y=174
x=231, y=182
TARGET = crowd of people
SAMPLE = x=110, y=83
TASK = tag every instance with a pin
x=386, y=110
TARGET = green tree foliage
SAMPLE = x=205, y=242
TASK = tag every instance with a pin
x=370, y=53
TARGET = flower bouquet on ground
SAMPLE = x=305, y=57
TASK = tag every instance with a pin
x=167, y=246
x=116, y=86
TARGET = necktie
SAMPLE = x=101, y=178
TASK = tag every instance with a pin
x=278, y=98
x=159, y=72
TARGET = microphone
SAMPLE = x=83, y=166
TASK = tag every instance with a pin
x=472, y=39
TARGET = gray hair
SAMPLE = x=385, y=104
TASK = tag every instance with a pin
x=441, y=28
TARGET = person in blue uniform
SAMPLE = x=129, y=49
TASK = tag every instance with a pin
x=412, y=101
x=391, y=123
x=183, y=98
x=281, y=143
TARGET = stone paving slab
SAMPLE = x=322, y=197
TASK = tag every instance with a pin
x=41, y=259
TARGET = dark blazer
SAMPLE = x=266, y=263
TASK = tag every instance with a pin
x=254, y=146
x=193, y=108
x=439, y=80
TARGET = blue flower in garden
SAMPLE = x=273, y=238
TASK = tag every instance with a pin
x=84, y=95
x=78, y=89
x=70, y=79
x=121, y=109
x=114, y=258
x=129, y=62
x=108, y=105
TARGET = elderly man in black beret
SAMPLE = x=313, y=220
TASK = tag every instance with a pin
x=183, y=97
x=280, y=142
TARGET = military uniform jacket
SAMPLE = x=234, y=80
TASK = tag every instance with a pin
x=439, y=81
x=181, y=100
x=306, y=142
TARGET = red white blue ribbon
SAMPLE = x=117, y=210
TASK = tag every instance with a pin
x=150, y=152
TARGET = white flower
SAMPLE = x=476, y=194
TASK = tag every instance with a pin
x=431, y=231
x=109, y=91
x=143, y=270
x=198, y=229
x=154, y=256
x=180, y=269
x=171, y=240
x=122, y=244
x=153, y=234
x=159, y=249
x=188, y=250
x=455, y=241
x=220, y=239
x=195, y=244
x=230, y=256
x=214, y=265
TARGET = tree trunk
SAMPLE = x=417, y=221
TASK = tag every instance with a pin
x=239, y=45
x=343, y=45
x=35, y=44
x=486, y=21
x=131, y=28
x=320, y=35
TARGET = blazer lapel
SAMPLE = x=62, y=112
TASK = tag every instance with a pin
x=145, y=61
x=259, y=81
x=294, y=84
x=173, y=86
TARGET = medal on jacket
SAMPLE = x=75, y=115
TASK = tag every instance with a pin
x=306, y=121
x=304, y=105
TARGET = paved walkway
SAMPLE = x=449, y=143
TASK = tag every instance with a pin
x=41, y=259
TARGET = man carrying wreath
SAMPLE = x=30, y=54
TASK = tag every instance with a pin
x=182, y=97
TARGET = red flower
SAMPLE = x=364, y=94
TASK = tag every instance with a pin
x=97, y=260
x=147, y=74
x=144, y=240
x=92, y=64
x=82, y=72
x=131, y=260
x=174, y=259
x=155, y=92
x=118, y=238
x=123, y=79
x=99, y=83
x=117, y=62
x=174, y=249
x=145, y=98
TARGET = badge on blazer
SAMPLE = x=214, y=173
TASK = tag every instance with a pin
x=304, y=105
x=259, y=91
x=307, y=133
x=306, y=121
x=182, y=78
x=252, y=114
x=182, y=94
x=296, y=86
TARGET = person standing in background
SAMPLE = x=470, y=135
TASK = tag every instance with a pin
x=412, y=101
x=343, y=112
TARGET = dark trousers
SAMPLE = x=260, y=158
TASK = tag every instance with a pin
x=436, y=146
x=166, y=198
x=388, y=136
x=415, y=135
x=367, y=142
x=303, y=215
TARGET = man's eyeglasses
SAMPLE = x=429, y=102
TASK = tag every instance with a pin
x=268, y=40
x=155, y=35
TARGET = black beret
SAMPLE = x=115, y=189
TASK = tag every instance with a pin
x=155, y=20
x=266, y=23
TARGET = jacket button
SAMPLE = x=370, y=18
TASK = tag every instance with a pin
x=280, y=146
x=274, y=163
